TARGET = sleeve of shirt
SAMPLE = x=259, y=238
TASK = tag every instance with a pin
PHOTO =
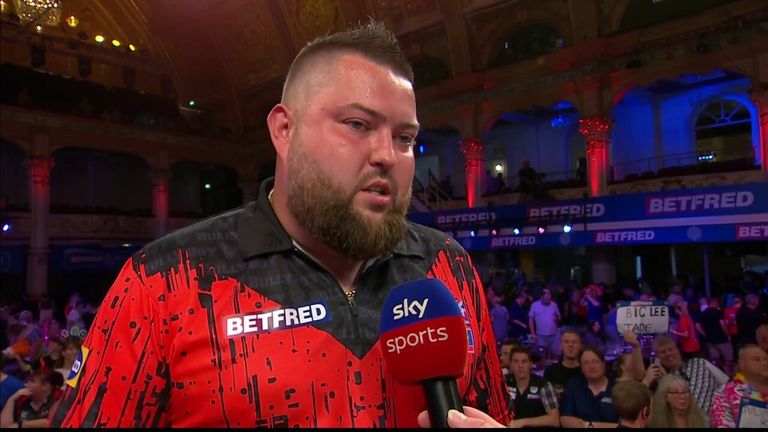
x=548, y=397
x=568, y=407
x=720, y=376
x=120, y=378
x=720, y=414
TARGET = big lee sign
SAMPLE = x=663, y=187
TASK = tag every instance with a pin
x=642, y=317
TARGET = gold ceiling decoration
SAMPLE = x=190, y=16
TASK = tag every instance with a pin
x=39, y=11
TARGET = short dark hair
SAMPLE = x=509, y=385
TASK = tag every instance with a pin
x=372, y=40
x=629, y=398
x=519, y=349
x=47, y=376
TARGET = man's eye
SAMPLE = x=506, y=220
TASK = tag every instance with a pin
x=356, y=124
x=407, y=139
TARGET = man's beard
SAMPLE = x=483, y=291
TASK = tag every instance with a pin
x=322, y=208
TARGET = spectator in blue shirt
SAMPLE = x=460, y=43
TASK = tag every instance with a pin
x=518, y=317
x=587, y=401
x=9, y=383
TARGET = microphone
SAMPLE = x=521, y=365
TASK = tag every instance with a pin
x=424, y=341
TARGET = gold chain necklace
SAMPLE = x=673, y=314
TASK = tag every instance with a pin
x=350, y=295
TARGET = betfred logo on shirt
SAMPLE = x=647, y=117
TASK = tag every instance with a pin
x=278, y=319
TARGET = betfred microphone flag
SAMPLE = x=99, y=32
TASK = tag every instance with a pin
x=423, y=334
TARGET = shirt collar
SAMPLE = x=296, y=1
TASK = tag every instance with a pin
x=259, y=232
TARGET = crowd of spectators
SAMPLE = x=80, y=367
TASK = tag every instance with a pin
x=567, y=363
x=40, y=347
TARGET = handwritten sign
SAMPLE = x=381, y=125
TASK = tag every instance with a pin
x=642, y=317
x=753, y=414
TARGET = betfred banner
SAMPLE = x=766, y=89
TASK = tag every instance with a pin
x=724, y=201
x=722, y=214
x=642, y=317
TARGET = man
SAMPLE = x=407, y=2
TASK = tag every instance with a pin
x=518, y=319
x=761, y=336
x=9, y=384
x=543, y=322
x=533, y=398
x=202, y=328
x=632, y=402
x=506, y=351
x=527, y=177
x=29, y=407
x=752, y=385
x=702, y=377
x=729, y=316
x=748, y=318
x=560, y=373
x=499, y=321
x=718, y=343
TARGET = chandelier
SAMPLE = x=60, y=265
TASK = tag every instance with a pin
x=39, y=11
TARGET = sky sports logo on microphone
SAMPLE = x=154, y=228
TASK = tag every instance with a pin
x=421, y=320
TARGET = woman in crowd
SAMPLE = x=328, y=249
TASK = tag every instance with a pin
x=587, y=399
x=71, y=349
x=674, y=407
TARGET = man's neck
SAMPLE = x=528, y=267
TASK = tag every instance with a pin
x=760, y=383
x=522, y=383
x=634, y=424
x=39, y=400
x=570, y=362
x=344, y=269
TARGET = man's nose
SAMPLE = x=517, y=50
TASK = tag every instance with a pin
x=382, y=149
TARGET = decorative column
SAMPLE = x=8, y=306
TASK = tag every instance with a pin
x=40, y=200
x=595, y=131
x=472, y=149
x=160, y=200
x=761, y=102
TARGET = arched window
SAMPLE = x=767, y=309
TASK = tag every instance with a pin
x=528, y=42
x=724, y=132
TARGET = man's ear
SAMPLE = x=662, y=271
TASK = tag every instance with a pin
x=645, y=412
x=281, y=122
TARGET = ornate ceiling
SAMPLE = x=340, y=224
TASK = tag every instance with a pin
x=231, y=55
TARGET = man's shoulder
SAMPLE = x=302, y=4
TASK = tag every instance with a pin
x=214, y=237
x=222, y=226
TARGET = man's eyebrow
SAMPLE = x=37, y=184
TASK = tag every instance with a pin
x=379, y=116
